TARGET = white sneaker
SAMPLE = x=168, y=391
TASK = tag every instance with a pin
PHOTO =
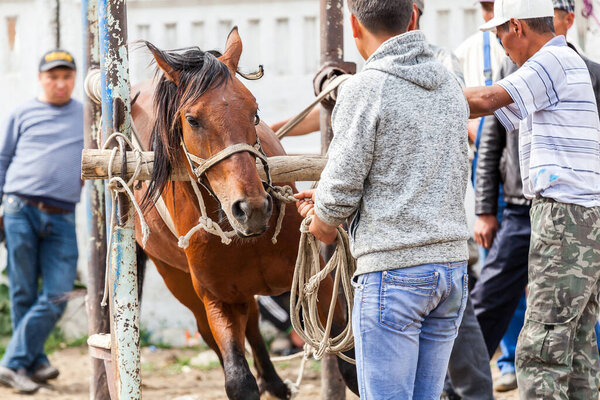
x=505, y=383
x=17, y=380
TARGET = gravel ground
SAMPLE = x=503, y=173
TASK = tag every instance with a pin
x=168, y=374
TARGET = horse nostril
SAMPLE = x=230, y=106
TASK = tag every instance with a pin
x=241, y=211
x=268, y=206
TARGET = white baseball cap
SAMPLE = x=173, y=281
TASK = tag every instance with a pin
x=504, y=10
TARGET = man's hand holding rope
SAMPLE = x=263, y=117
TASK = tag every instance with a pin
x=306, y=206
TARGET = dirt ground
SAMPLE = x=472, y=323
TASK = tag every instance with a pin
x=170, y=374
x=167, y=375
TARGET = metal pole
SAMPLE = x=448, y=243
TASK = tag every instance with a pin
x=116, y=116
x=98, y=317
x=332, y=50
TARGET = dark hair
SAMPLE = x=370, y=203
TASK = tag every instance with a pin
x=199, y=72
x=382, y=16
x=541, y=25
x=538, y=25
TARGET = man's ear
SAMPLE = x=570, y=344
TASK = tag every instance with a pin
x=169, y=72
x=414, y=19
x=570, y=18
x=517, y=26
x=356, y=28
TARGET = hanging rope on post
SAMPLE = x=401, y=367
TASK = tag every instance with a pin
x=118, y=185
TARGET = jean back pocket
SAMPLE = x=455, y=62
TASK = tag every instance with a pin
x=406, y=298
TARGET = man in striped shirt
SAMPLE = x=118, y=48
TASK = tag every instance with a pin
x=550, y=98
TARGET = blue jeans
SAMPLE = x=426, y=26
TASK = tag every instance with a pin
x=405, y=322
x=41, y=247
x=508, y=344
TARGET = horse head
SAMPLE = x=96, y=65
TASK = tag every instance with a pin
x=203, y=113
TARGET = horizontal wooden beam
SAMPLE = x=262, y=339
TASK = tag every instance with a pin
x=94, y=165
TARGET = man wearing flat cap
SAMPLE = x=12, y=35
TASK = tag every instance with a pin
x=40, y=158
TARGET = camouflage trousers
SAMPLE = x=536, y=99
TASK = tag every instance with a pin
x=557, y=354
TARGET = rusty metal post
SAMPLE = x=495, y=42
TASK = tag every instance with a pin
x=98, y=317
x=332, y=51
x=123, y=290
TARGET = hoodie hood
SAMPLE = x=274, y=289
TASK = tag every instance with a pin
x=408, y=56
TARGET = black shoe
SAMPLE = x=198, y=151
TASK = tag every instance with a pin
x=44, y=373
x=18, y=380
x=449, y=396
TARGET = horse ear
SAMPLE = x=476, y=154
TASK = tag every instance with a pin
x=170, y=73
x=233, y=50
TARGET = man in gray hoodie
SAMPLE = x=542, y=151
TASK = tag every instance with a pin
x=398, y=164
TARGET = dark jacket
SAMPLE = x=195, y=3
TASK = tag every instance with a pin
x=498, y=160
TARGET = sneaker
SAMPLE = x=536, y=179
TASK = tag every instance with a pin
x=44, y=373
x=505, y=383
x=18, y=380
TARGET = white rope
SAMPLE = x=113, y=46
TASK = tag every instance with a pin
x=92, y=86
x=305, y=286
x=285, y=194
x=117, y=185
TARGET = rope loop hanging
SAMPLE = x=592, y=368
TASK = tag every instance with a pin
x=116, y=185
x=308, y=276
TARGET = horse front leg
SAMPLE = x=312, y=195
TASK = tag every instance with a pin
x=268, y=379
x=228, y=325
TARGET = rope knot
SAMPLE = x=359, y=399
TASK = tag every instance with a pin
x=183, y=242
x=206, y=222
x=305, y=225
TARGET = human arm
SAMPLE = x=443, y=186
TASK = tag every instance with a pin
x=485, y=100
x=309, y=124
x=354, y=121
x=9, y=136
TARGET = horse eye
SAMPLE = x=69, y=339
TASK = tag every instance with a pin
x=256, y=119
x=193, y=122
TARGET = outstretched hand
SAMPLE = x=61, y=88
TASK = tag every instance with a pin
x=306, y=206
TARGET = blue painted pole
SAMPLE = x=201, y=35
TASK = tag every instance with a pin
x=116, y=117
x=98, y=317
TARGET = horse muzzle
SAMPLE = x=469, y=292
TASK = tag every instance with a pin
x=252, y=215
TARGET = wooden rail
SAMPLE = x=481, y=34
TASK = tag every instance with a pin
x=94, y=165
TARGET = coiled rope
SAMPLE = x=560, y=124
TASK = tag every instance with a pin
x=305, y=287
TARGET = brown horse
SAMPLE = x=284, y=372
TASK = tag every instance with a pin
x=199, y=100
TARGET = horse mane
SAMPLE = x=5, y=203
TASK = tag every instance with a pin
x=198, y=71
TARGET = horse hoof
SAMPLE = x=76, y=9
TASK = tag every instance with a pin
x=274, y=390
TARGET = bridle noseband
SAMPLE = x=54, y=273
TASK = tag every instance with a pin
x=200, y=166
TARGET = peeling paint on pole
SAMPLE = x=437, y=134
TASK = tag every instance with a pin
x=116, y=117
x=125, y=314
x=98, y=317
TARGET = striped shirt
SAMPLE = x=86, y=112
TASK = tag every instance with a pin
x=40, y=152
x=559, y=140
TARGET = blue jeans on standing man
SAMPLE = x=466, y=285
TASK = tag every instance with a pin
x=40, y=246
x=405, y=322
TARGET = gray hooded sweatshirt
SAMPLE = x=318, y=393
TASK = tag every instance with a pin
x=398, y=160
